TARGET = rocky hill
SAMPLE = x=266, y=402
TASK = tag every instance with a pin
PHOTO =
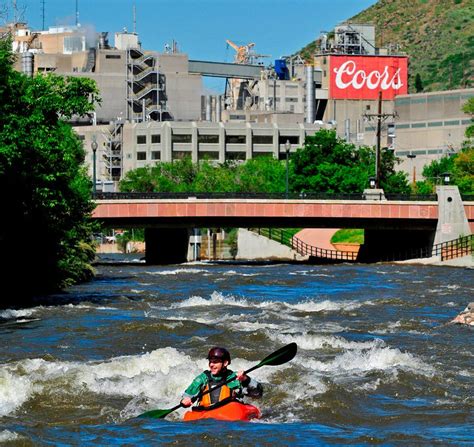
x=438, y=36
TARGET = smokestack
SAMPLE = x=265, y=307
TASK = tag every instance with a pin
x=310, y=97
x=208, y=108
x=27, y=63
x=218, y=108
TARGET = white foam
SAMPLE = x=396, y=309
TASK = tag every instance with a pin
x=7, y=436
x=15, y=390
x=312, y=341
x=378, y=358
x=158, y=377
x=234, y=273
x=327, y=305
x=218, y=299
x=89, y=306
x=178, y=271
x=13, y=313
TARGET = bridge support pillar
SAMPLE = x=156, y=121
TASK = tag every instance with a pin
x=166, y=245
x=452, y=220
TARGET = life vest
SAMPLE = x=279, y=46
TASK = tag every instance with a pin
x=218, y=395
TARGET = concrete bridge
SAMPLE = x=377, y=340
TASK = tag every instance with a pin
x=388, y=224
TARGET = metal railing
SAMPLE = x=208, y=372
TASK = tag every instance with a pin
x=305, y=249
x=456, y=248
x=275, y=234
x=260, y=195
x=287, y=238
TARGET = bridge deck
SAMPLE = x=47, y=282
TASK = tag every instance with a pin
x=277, y=213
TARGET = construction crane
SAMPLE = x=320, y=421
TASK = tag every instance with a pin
x=243, y=55
x=235, y=87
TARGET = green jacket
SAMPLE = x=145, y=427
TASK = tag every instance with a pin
x=200, y=382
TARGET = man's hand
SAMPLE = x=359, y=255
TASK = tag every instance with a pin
x=241, y=376
x=186, y=402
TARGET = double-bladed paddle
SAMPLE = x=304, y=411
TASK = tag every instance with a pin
x=278, y=357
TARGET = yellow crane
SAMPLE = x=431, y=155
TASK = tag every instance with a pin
x=243, y=52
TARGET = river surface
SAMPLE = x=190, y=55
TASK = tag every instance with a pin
x=377, y=363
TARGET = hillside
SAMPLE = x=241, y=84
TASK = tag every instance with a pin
x=438, y=35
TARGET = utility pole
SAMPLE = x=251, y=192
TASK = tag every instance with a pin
x=379, y=116
x=134, y=18
x=43, y=12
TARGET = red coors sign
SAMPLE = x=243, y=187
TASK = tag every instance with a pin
x=362, y=77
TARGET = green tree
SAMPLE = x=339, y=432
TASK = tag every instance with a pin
x=469, y=109
x=258, y=175
x=46, y=231
x=418, y=83
x=327, y=163
x=460, y=166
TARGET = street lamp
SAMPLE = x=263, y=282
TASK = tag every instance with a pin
x=287, y=150
x=372, y=182
x=94, y=171
x=446, y=178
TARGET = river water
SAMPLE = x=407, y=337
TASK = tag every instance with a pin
x=376, y=363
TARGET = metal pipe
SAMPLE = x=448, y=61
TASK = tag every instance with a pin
x=378, y=148
x=208, y=108
x=27, y=63
x=218, y=108
x=310, y=96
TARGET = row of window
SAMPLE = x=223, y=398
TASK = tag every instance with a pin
x=420, y=152
x=434, y=98
x=434, y=124
x=205, y=155
x=214, y=139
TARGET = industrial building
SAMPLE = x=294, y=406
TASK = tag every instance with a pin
x=153, y=108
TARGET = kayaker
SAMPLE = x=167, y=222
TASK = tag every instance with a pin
x=219, y=359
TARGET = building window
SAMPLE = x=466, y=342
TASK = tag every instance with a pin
x=141, y=156
x=141, y=139
x=208, y=155
x=208, y=139
x=367, y=107
x=156, y=139
x=113, y=56
x=292, y=139
x=262, y=155
x=181, y=138
x=262, y=139
x=181, y=155
x=235, y=155
x=235, y=139
x=156, y=155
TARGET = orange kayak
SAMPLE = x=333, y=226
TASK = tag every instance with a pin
x=233, y=411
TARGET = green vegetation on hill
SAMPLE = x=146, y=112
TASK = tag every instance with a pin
x=437, y=35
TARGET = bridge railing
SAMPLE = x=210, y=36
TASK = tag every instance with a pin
x=305, y=249
x=262, y=196
x=287, y=238
x=454, y=249
x=275, y=234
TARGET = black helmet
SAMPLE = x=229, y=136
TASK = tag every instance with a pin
x=219, y=353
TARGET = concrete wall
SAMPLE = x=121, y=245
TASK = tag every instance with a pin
x=252, y=246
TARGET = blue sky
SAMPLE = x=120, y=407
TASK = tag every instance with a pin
x=201, y=27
